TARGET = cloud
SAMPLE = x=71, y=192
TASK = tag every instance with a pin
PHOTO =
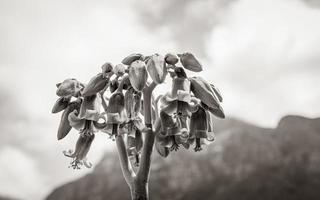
x=188, y=23
x=19, y=175
x=265, y=55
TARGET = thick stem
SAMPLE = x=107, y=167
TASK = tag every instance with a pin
x=139, y=191
x=144, y=169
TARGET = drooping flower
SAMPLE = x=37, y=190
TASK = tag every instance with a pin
x=201, y=128
x=134, y=124
x=86, y=121
x=115, y=110
x=178, y=105
x=81, y=150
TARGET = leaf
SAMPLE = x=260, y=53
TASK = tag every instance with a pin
x=156, y=67
x=60, y=104
x=138, y=75
x=189, y=62
x=203, y=91
x=217, y=92
x=95, y=85
x=64, y=126
x=131, y=58
x=218, y=112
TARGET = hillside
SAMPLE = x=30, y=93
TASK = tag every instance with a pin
x=245, y=162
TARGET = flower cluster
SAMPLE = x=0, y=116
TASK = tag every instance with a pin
x=112, y=102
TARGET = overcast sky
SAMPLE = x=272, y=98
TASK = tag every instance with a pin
x=262, y=54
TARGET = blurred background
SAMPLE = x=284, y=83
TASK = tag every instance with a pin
x=263, y=55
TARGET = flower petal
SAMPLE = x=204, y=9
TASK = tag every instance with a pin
x=156, y=67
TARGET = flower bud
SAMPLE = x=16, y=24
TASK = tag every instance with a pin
x=171, y=59
x=119, y=69
x=138, y=75
x=81, y=150
x=189, y=62
x=202, y=90
x=61, y=104
x=156, y=67
x=131, y=58
x=106, y=68
x=64, y=126
x=95, y=85
x=69, y=87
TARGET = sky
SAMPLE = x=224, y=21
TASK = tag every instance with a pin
x=263, y=55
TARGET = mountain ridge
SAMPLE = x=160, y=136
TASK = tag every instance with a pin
x=243, y=156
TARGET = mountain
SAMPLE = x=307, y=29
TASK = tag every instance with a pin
x=245, y=162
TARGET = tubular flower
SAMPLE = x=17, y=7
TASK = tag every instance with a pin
x=81, y=150
x=86, y=121
x=201, y=128
x=69, y=87
x=115, y=110
x=134, y=124
x=179, y=104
